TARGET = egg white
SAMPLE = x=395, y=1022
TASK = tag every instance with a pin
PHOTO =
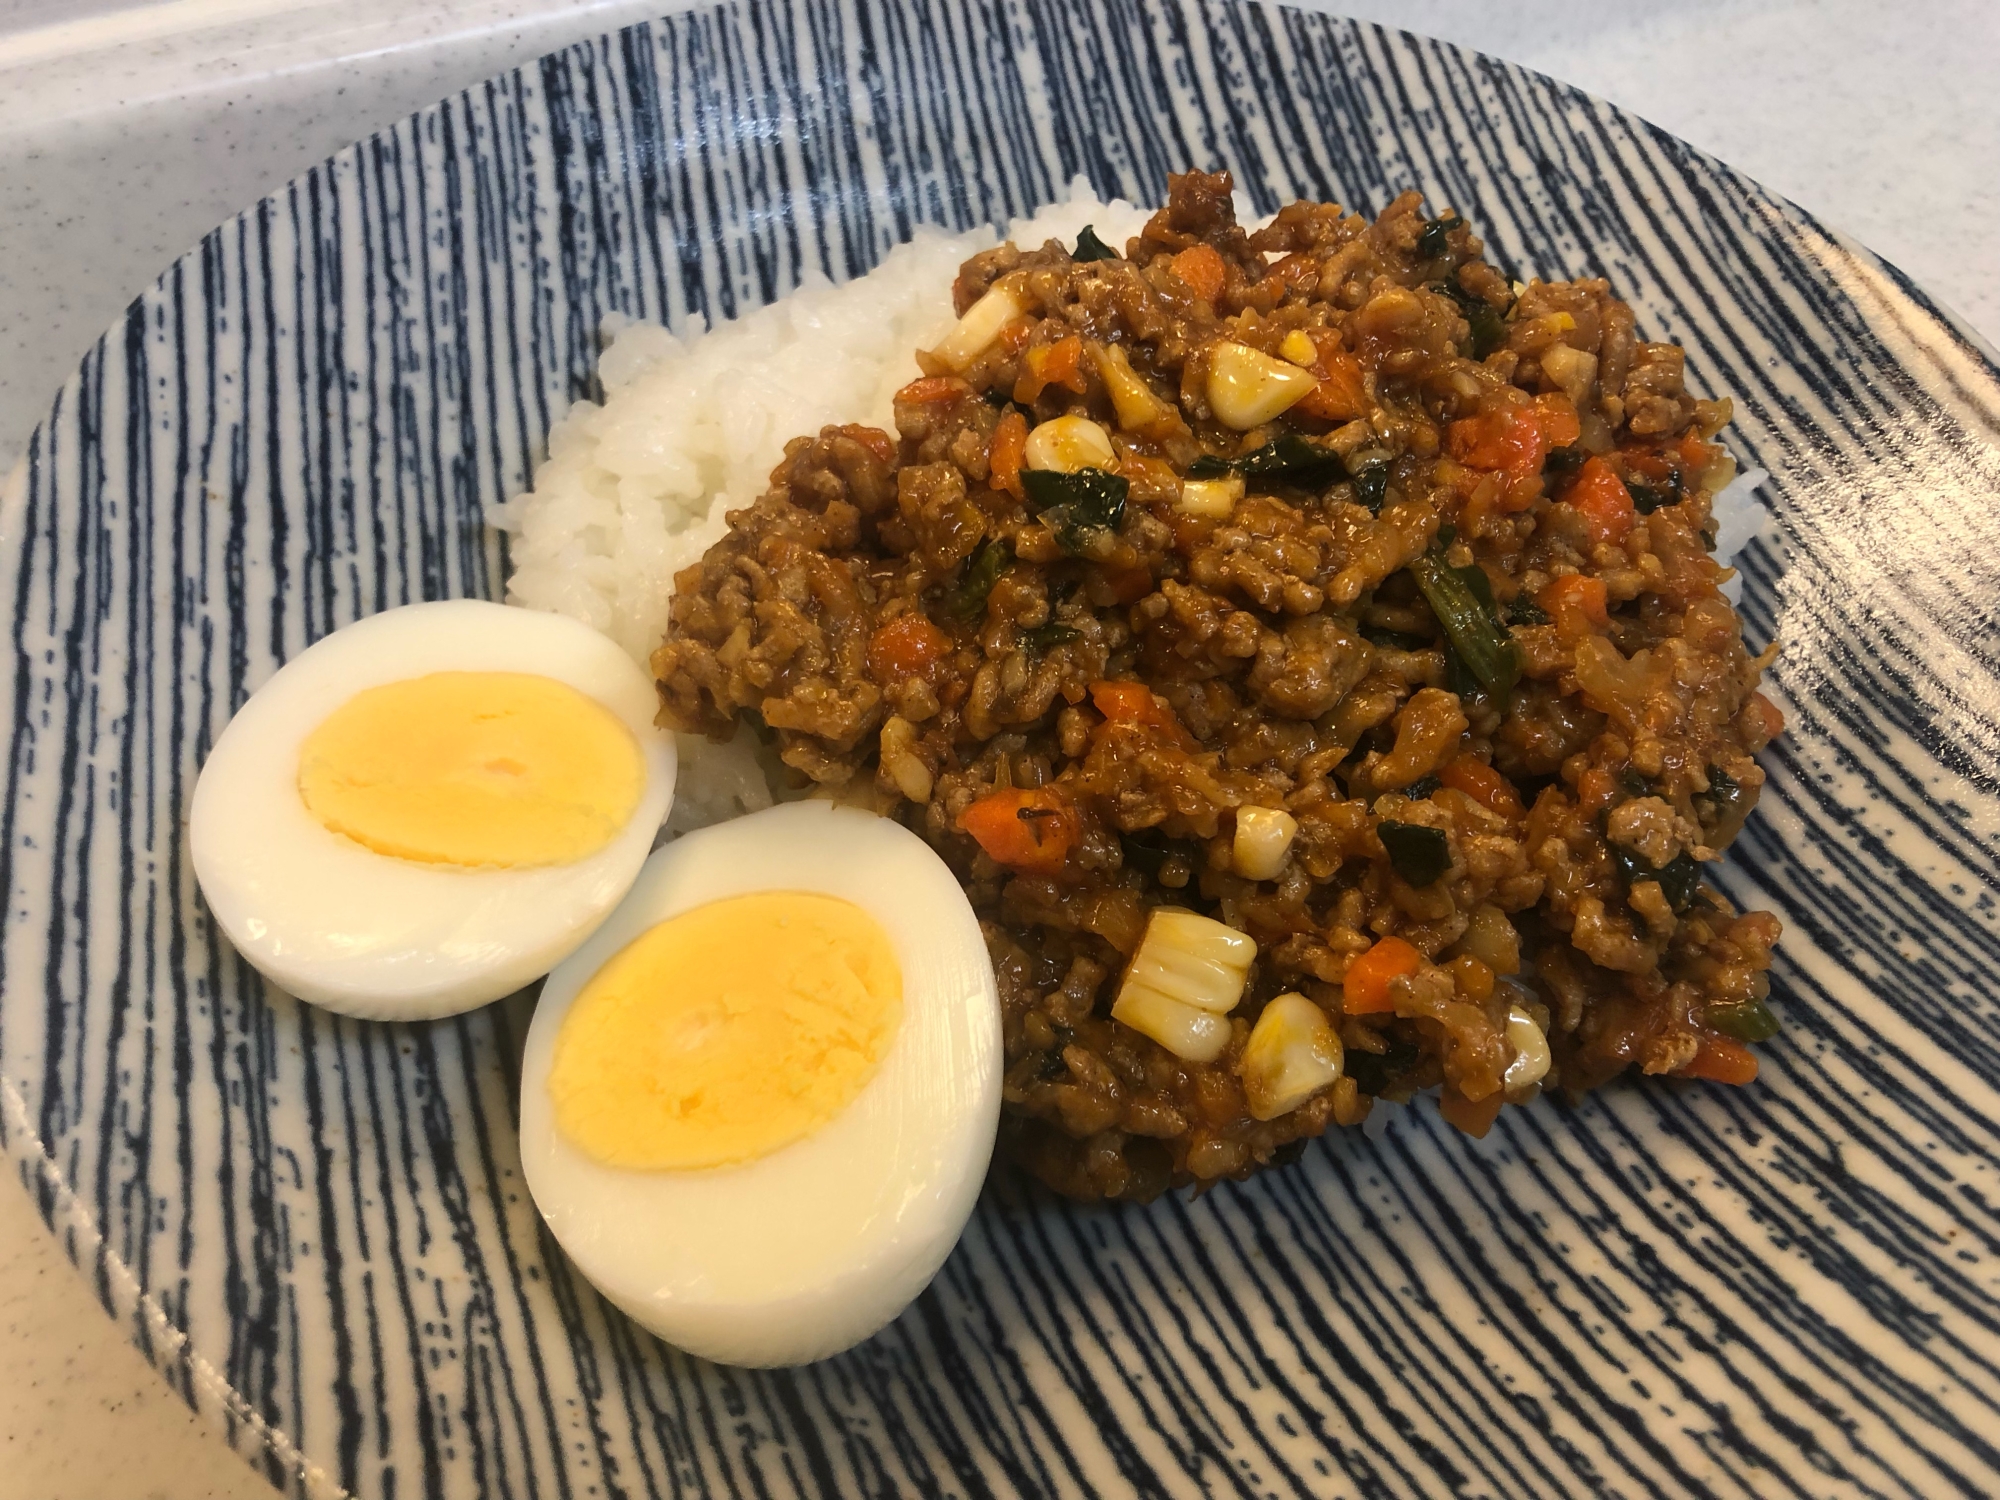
x=807, y=1251
x=331, y=921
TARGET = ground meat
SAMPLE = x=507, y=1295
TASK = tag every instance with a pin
x=1137, y=661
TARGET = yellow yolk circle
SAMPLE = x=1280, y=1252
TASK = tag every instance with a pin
x=726, y=1032
x=480, y=769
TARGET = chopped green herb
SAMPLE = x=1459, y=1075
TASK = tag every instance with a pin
x=1524, y=611
x=1419, y=855
x=1562, y=463
x=1076, y=505
x=1146, y=849
x=1371, y=487
x=1431, y=242
x=1747, y=1020
x=1373, y=1072
x=1052, y=1065
x=989, y=560
x=1090, y=247
x=1648, y=498
x=1679, y=878
x=1457, y=675
x=1480, y=640
x=1487, y=323
x=1422, y=787
x=1288, y=457
x=1004, y=400
x=1042, y=639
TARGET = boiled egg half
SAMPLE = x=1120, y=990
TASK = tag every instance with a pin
x=428, y=809
x=757, y=1106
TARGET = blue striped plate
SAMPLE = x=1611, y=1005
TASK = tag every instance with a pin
x=317, y=1228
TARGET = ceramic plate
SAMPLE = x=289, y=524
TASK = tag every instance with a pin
x=318, y=1229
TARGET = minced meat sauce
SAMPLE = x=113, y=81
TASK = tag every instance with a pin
x=1445, y=602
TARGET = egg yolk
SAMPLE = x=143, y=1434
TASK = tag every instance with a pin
x=726, y=1032
x=473, y=768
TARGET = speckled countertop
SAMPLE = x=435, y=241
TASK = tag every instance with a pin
x=127, y=130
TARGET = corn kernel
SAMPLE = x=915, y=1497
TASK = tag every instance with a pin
x=1067, y=444
x=1263, y=838
x=1186, y=977
x=1247, y=388
x=1531, y=1052
x=1299, y=348
x=1292, y=1054
x=1212, y=499
x=979, y=327
x=1139, y=408
x=1189, y=1032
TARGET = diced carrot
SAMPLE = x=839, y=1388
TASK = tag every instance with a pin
x=1595, y=789
x=1201, y=267
x=1577, y=604
x=1128, y=703
x=929, y=390
x=1601, y=498
x=1064, y=366
x=1014, y=333
x=908, y=646
x=1044, y=365
x=1342, y=394
x=1774, y=716
x=1559, y=420
x=1483, y=785
x=1514, y=441
x=1025, y=830
x=1129, y=585
x=1474, y=1118
x=1365, y=990
x=1694, y=454
x=874, y=439
x=1003, y=454
x=1721, y=1060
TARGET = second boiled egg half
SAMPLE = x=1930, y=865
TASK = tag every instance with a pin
x=758, y=1104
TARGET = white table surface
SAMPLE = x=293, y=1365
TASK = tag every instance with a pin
x=129, y=130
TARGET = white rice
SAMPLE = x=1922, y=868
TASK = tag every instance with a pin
x=636, y=489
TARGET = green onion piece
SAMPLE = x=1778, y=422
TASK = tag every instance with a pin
x=1075, y=505
x=1524, y=611
x=1090, y=247
x=1419, y=855
x=1481, y=586
x=1396, y=640
x=1747, y=1021
x=1481, y=641
x=989, y=560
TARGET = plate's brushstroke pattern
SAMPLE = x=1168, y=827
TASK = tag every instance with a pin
x=318, y=1227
